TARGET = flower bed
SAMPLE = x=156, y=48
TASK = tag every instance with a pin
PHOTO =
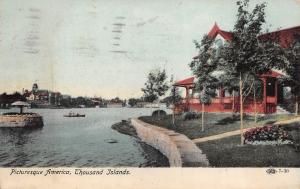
x=270, y=134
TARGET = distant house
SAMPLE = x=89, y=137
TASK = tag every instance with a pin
x=42, y=96
x=116, y=103
x=66, y=96
x=272, y=92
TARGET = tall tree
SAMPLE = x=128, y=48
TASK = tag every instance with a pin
x=293, y=70
x=203, y=66
x=246, y=56
x=174, y=98
x=156, y=85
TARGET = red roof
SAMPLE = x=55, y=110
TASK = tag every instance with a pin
x=216, y=30
x=271, y=73
x=185, y=82
x=190, y=81
x=286, y=36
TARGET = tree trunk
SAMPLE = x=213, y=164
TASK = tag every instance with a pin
x=173, y=115
x=296, y=105
x=241, y=109
x=255, y=106
x=233, y=102
x=202, y=117
x=158, y=111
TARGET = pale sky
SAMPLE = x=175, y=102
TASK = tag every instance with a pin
x=106, y=48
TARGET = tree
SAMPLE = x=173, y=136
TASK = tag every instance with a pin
x=156, y=85
x=66, y=102
x=245, y=56
x=203, y=66
x=132, y=102
x=293, y=69
x=173, y=99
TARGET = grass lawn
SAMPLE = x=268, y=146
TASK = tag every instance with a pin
x=226, y=153
x=215, y=123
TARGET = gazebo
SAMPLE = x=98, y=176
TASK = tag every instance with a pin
x=224, y=102
x=21, y=105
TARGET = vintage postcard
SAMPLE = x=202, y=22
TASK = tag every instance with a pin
x=151, y=94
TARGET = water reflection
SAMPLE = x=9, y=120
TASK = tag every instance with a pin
x=74, y=142
x=16, y=139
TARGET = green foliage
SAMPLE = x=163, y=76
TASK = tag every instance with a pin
x=174, y=97
x=156, y=85
x=293, y=66
x=246, y=54
x=203, y=67
x=133, y=102
x=66, y=103
x=243, y=53
x=10, y=98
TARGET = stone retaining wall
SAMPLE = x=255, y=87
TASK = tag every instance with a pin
x=11, y=121
x=179, y=149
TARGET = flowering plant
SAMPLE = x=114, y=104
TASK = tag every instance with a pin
x=266, y=133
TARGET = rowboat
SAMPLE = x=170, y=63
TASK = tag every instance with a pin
x=71, y=114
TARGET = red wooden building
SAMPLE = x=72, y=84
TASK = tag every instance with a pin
x=266, y=103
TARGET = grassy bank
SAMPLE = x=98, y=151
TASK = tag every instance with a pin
x=215, y=123
x=226, y=153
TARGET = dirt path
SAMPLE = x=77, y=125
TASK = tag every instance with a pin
x=219, y=136
x=237, y=132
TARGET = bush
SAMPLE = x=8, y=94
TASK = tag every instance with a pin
x=266, y=133
x=157, y=113
x=189, y=115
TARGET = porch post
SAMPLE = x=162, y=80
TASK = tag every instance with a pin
x=221, y=94
x=265, y=94
x=276, y=89
x=187, y=98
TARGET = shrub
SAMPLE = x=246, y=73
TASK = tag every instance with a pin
x=157, y=113
x=189, y=115
x=266, y=133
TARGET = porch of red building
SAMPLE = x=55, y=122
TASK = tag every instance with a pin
x=265, y=103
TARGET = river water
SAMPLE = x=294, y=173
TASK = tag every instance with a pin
x=73, y=142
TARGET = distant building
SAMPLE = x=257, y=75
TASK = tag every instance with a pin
x=65, y=96
x=115, y=105
x=42, y=96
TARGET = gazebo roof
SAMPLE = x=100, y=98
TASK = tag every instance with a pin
x=20, y=103
x=189, y=82
x=186, y=82
x=272, y=73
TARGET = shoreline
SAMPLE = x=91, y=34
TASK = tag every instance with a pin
x=153, y=156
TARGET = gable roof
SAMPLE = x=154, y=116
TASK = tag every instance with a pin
x=286, y=36
x=216, y=30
